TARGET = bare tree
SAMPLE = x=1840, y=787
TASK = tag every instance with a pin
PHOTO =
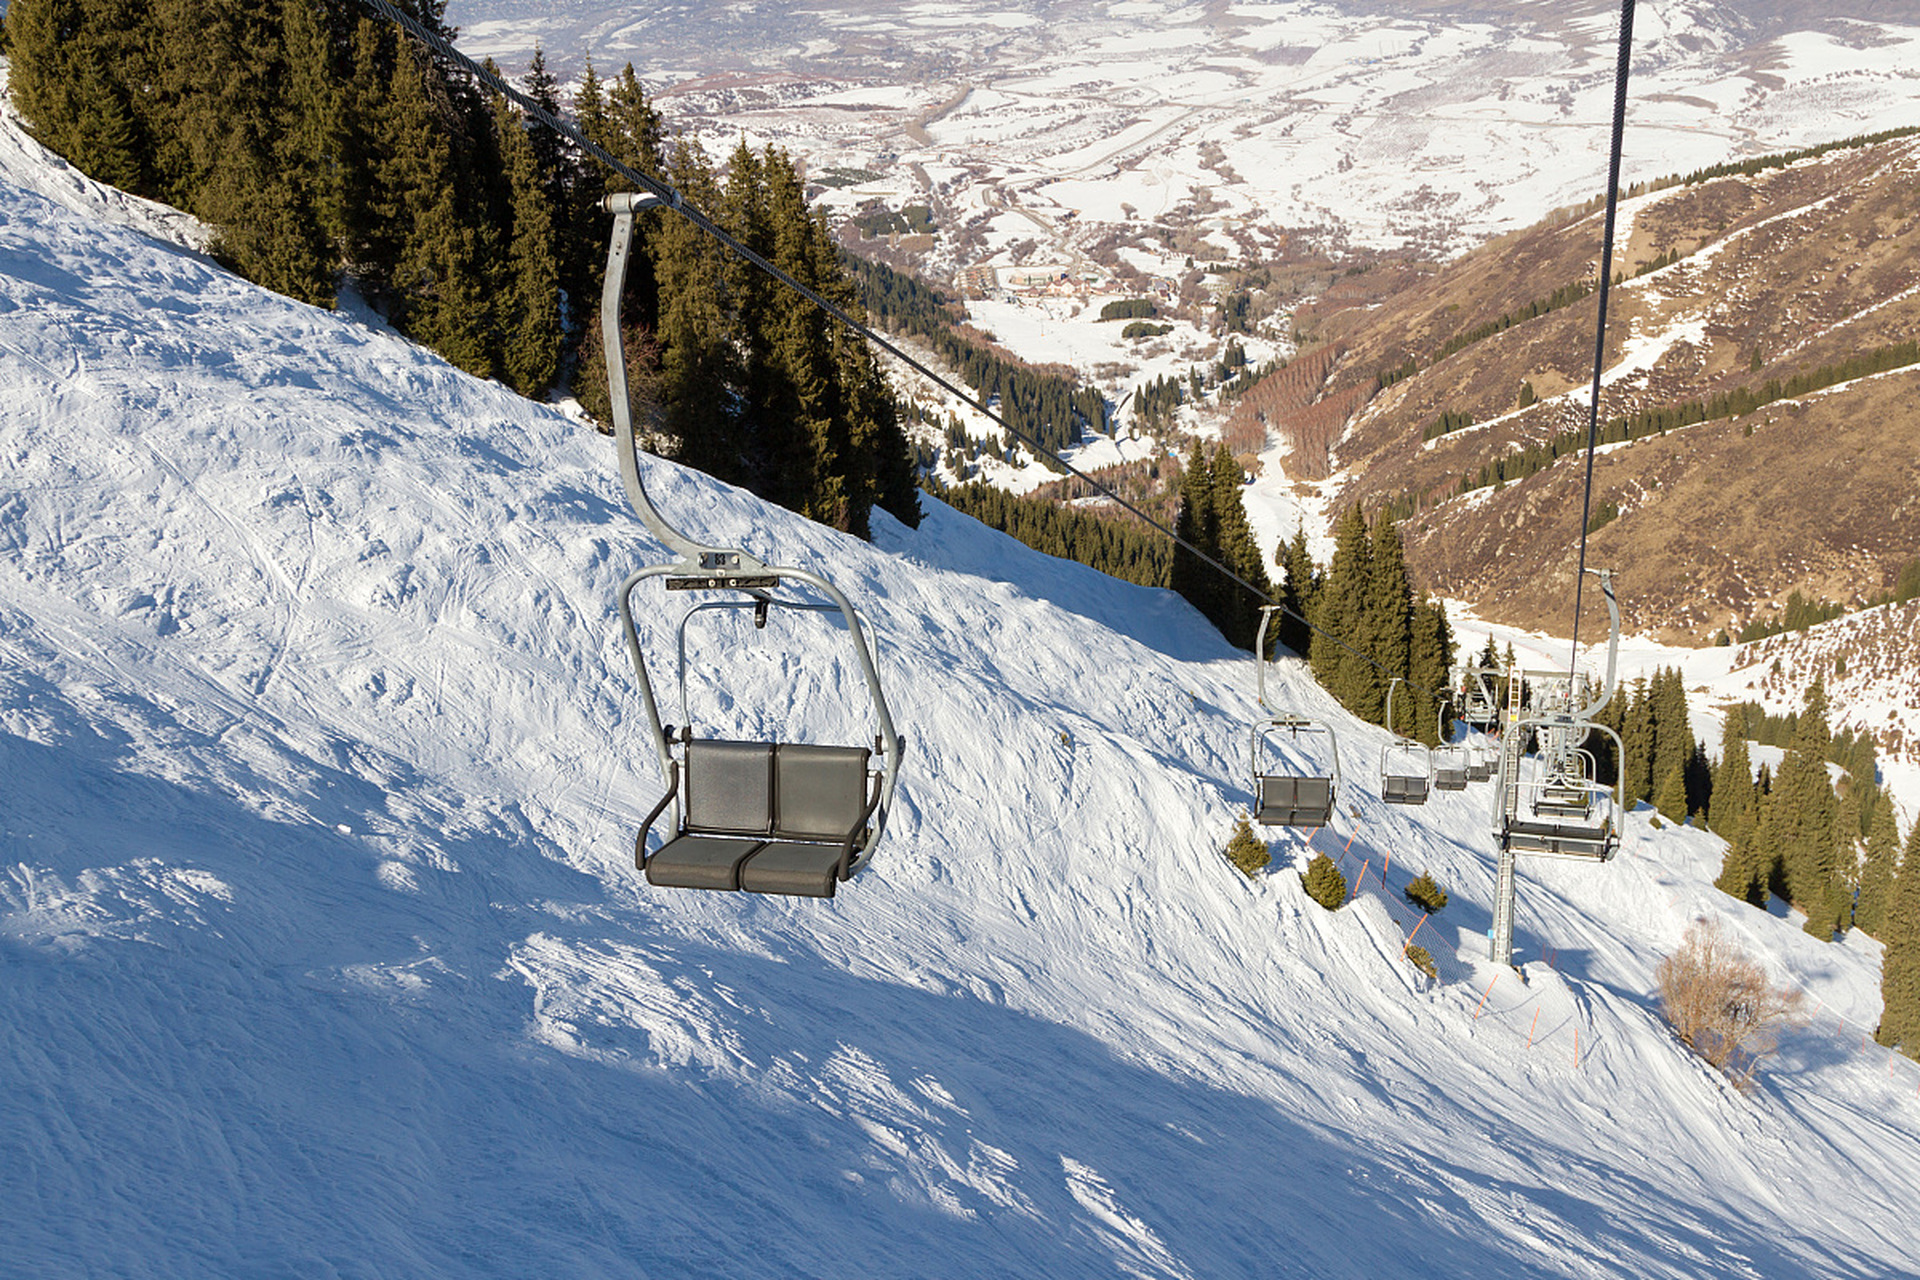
x=1721, y=1004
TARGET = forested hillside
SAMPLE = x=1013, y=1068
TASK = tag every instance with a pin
x=1760, y=412
x=329, y=151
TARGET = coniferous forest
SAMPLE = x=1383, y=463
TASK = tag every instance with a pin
x=1046, y=404
x=329, y=151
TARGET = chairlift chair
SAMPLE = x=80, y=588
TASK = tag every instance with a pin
x=1289, y=798
x=1564, y=811
x=1412, y=779
x=1481, y=758
x=1479, y=707
x=1451, y=762
x=1284, y=797
x=1566, y=816
x=794, y=818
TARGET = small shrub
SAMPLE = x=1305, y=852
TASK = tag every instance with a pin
x=1719, y=1002
x=1425, y=894
x=1422, y=959
x=1325, y=884
x=1247, y=851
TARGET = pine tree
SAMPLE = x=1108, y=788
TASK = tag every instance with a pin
x=1298, y=586
x=1387, y=633
x=530, y=320
x=1671, y=798
x=1876, y=873
x=1340, y=613
x=1900, y=967
x=1196, y=525
x=1429, y=667
x=1324, y=883
x=1803, y=809
x=1732, y=812
x=1247, y=850
x=1239, y=618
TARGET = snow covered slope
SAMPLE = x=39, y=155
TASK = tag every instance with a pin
x=321, y=951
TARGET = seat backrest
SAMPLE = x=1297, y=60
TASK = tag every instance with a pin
x=729, y=787
x=1314, y=793
x=819, y=792
x=1287, y=792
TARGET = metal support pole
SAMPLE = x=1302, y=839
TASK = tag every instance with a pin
x=1500, y=937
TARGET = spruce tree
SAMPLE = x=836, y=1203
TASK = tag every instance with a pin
x=1743, y=871
x=1387, y=634
x=1239, y=618
x=1876, y=872
x=1196, y=525
x=1803, y=810
x=1429, y=667
x=1342, y=610
x=697, y=360
x=1298, y=586
x=1324, y=883
x=1637, y=738
x=1732, y=811
x=1246, y=850
x=1671, y=797
x=1672, y=735
x=530, y=320
x=1834, y=912
x=1900, y=965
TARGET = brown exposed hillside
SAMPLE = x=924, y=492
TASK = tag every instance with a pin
x=1781, y=274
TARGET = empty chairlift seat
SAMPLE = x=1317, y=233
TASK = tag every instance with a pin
x=1289, y=801
x=1396, y=788
x=763, y=817
x=1595, y=842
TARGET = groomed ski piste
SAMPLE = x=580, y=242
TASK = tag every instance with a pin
x=322, y=952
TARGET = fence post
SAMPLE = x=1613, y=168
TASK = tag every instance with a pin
x=1483, y=998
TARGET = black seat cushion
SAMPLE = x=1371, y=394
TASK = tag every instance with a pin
x=784, y=866
x=700, y=862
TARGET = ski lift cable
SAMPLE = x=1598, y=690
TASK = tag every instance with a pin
x=1600, y=325
x=673, y=199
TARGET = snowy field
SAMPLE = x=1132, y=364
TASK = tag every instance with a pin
x=1354, y=123
x=324, y=954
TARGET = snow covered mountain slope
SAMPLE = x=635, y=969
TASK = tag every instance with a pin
x=321, y=950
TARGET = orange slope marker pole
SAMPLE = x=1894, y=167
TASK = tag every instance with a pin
x=1362, y=879
x=1533, y=1028
x=1416, y=933
x=1483, y=998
